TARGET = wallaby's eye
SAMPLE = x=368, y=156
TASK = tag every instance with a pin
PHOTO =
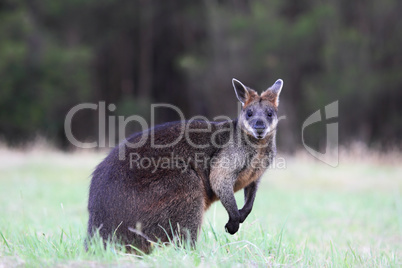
x=249, y=113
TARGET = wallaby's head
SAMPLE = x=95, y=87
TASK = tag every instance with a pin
x=258, y=116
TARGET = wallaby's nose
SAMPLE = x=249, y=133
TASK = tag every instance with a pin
x=259, y=124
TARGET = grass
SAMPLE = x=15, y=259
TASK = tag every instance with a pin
x=307, y=214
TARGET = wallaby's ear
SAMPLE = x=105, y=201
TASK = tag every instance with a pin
x=240, y=90
x=272, y=93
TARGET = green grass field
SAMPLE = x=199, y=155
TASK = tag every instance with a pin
x=308, y=214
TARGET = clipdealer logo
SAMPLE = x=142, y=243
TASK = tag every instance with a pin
x=331, y=155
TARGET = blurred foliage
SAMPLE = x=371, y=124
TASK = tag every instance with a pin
x=56, y=54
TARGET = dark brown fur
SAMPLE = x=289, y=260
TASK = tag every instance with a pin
x=137, y=205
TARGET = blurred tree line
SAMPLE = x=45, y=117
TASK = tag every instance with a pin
x=56, y=54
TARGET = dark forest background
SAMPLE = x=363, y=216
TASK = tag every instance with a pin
x=57, y=54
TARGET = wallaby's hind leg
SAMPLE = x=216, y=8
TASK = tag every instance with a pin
x=190, y=213
x=170, y=208
x=179, y=216
x=191, y=226
x=181, y=226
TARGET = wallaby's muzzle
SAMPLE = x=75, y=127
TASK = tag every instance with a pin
x=259, y=127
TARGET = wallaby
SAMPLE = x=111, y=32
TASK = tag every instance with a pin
x=154, y=193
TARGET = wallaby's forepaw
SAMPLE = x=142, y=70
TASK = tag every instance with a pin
x=232, y=227
x=243, y=215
